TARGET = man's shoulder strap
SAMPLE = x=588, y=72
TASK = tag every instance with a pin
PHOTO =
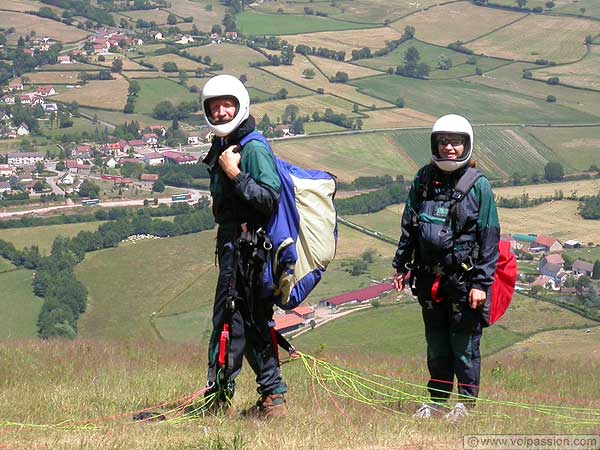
x=255, y=136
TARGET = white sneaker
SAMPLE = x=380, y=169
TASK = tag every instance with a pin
x=427, y=411
x=457, y=413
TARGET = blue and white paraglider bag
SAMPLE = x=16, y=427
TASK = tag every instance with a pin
x=303, y=232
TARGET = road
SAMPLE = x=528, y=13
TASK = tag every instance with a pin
x=196, y=194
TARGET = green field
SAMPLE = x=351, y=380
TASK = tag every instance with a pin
x=581, y=74
x=80, y=125
x=575, y=148
x=510, y=78
x=43, y=237
x=592, y=8
x=252, y=23
x=153, y=91
x=429, y=55
x=117, y=117
x=20, y=308
x=129, y=283
x=5, y=265
x=481, y=104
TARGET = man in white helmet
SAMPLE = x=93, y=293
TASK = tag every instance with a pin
x=245, y=186
x=449, y=247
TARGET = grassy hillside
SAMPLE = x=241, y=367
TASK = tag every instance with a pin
x=128, y=284
x=20, y=308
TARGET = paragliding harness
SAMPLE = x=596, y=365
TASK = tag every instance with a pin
x=251, y=252
x=506, y=268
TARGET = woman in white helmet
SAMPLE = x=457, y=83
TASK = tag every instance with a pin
x=447, y=253
x=245, y=186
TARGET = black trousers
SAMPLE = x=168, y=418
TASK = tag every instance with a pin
x=453, y=332
x=249, y=333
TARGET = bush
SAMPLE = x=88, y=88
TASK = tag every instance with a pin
x=551, y=99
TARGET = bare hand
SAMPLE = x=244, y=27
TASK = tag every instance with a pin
x=476, y=298
x=399, y=281
x=230, y=161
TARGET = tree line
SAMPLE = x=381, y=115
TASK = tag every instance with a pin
x=373, y=201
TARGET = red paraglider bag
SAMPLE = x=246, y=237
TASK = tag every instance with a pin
x=505, y=279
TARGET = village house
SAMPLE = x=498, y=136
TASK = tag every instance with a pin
x=231, y=35
x=185, y=40
x=9, y=100
x=82, y=151
x=67, y=179
x=580, y=268
x=552, y=265
x=283, y=129
x=138, y=145
x=148, y=179
x=154, y=159
x=45, y=91
x=160, y=130
x=4, y=117
x=21, y=159
x=172, y=157
x=158, y=36
x=193, y=140
x=151, y=139
x=15, y=85
x=27, y=175
x=545, y=282
x=29, y=51
x=22, y=130
x=355, y=297
x=123, y=161
x=306, y=313
x=30, y=99
x=64, y=59
x=76, y=167
x=4, y=187
x=50, y=107
x=6, y=170
x=111, y=162
x=546, y=244
x=288, y=323
x=572, y=243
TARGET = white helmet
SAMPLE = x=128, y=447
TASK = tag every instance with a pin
x=452, y=123
x=225, y=86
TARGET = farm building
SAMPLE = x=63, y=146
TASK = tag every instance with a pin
x=287, y=323
x=572, y=243
x=552, y=265
x=179, y=158
x=545, y=282
x=304, y=312
x=546, y=244
x=154, y=159
x=45, y=91
x=23, y=130
x=25, y=158
x=580, y=268
x=360, y=296
x=82, y=151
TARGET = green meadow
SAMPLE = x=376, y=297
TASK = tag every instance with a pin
x=153, y=91
x=44, y=236
x=20, y=308
x=252, y=23
x=480, y=103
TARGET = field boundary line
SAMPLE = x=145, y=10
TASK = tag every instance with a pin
x=498, y=29
x=424, y=9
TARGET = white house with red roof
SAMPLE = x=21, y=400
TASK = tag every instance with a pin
x=288, y=323
x=304, y=312
x=64, y=59
x=546, y=244
x=154, y=159
x=138, y=145
x=359, y=296
x=151, y=139
x=45, y=91
x=16, y=85
x=6, y=170
x=82, y=151
x=179, y=158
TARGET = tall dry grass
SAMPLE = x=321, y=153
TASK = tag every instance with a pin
x=71, y=384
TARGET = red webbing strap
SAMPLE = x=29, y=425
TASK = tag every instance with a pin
x=434, y=289
x=223, y=340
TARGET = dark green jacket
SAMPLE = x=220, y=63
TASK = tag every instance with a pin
x=253, y=195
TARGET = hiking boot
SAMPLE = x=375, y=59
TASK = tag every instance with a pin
x=459, y=412
x=428, y=411
x=268, y=407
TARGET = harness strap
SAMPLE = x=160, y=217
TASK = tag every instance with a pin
x=434, y=289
